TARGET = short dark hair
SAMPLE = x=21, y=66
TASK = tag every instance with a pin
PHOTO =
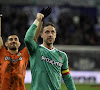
x=48, y=24
x=11, y=35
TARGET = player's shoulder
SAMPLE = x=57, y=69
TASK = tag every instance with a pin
x=24, y=51
x=3, y=51
x=61, y=52
x=3, y=48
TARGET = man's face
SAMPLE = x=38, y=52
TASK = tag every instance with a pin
x=49, y=35
x=12, y=42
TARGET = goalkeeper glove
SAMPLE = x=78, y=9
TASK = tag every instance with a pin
x=46, y=12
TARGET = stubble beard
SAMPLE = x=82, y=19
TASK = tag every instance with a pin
x=13, y=48
x=49, y=43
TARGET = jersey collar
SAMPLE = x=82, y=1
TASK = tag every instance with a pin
x=47, y=48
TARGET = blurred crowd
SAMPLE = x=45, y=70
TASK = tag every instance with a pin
x=71, y=29
x=77, y=30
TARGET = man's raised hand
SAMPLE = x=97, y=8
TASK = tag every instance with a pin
x=46, y=12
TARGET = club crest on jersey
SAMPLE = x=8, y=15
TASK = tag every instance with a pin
x=13, y=60
x=51, y=61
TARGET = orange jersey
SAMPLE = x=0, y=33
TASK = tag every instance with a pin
x=13, y=69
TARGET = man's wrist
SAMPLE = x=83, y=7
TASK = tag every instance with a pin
x=36, y=22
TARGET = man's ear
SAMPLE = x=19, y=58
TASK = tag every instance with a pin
x=6, y=44
x=56, y=35
x=19, y=44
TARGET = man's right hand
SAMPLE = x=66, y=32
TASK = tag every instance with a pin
x=42, y=14
x=46, y=12
x=39, y=17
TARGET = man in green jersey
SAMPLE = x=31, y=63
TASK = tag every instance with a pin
x=47, y=63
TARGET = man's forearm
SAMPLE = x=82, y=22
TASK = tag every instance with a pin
x=30, y=33
x=69, y=82
x=37, y=33
x=1, y=42
x=29, y=42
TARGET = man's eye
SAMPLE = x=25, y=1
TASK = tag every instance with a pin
x=10, y=39
x=53, y=32
x=47, y=31
x=16, y=39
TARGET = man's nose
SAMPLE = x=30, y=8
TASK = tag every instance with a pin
x=50, y=34
x=13, y=40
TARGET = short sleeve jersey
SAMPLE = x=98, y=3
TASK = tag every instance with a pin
x=13, y=69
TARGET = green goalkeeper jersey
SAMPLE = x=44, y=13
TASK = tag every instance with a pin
x=45, y=64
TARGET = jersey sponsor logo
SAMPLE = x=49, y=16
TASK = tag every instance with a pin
x=51, y=61
x=13, y=60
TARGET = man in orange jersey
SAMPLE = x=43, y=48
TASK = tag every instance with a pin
x=13, y=63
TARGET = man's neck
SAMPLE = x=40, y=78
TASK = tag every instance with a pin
x=13, y=51
x=48, y=46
